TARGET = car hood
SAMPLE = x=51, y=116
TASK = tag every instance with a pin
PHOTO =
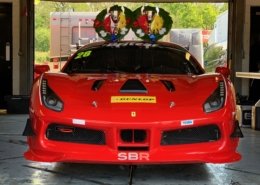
x=133, y=92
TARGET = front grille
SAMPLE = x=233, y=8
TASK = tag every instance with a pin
x=133, y=135
x=59, y=132
x=199, y=134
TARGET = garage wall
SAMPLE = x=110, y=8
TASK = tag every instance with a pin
x=26, y=51
x=16, y=44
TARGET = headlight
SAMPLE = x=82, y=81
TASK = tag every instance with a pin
x=49, y=98
x=216, y=100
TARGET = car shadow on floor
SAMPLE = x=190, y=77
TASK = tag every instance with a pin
x=101, y=174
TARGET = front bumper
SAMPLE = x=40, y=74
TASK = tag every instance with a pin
x=116, y=151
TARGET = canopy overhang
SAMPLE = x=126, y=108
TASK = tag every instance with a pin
x=145, y=1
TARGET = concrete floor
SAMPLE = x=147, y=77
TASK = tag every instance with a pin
x=15, y=170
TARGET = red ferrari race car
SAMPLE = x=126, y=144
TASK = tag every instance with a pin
x=133, y=102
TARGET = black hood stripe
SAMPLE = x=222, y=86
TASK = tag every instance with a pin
x=133, y=86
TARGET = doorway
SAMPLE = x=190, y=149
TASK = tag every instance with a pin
x=5, y=53
x=254, y=62
x=254, y=39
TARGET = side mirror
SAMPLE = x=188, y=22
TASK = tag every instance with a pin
x=39, y=69
x=224, y=71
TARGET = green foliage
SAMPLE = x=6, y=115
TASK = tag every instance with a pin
x=41, y=57
x=213, y=56
x=42, y=39
x=42, y=16
x=96, y=7
x=193, y=15
x=223, y=7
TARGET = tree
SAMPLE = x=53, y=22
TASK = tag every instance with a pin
x=213, y=56
x=42, y=39
x=193, y=15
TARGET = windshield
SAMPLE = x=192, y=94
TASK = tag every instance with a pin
x=133, y=59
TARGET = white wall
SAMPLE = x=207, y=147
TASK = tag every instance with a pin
x=16, y=44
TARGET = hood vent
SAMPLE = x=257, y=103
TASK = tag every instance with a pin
x=169, y=85
x=133, y=86
x=97, y=85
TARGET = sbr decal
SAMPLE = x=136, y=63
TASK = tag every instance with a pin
x=133, y=156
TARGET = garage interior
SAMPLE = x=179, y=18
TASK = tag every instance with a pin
x=16, y=74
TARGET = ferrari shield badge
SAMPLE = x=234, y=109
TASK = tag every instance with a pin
x=133, y=114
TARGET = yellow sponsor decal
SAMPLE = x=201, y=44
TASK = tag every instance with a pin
x=187, y=56
x=133, y=99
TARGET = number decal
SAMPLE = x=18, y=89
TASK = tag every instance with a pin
x=83, y=54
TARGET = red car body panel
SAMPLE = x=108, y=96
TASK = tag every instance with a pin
x=165, y=111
